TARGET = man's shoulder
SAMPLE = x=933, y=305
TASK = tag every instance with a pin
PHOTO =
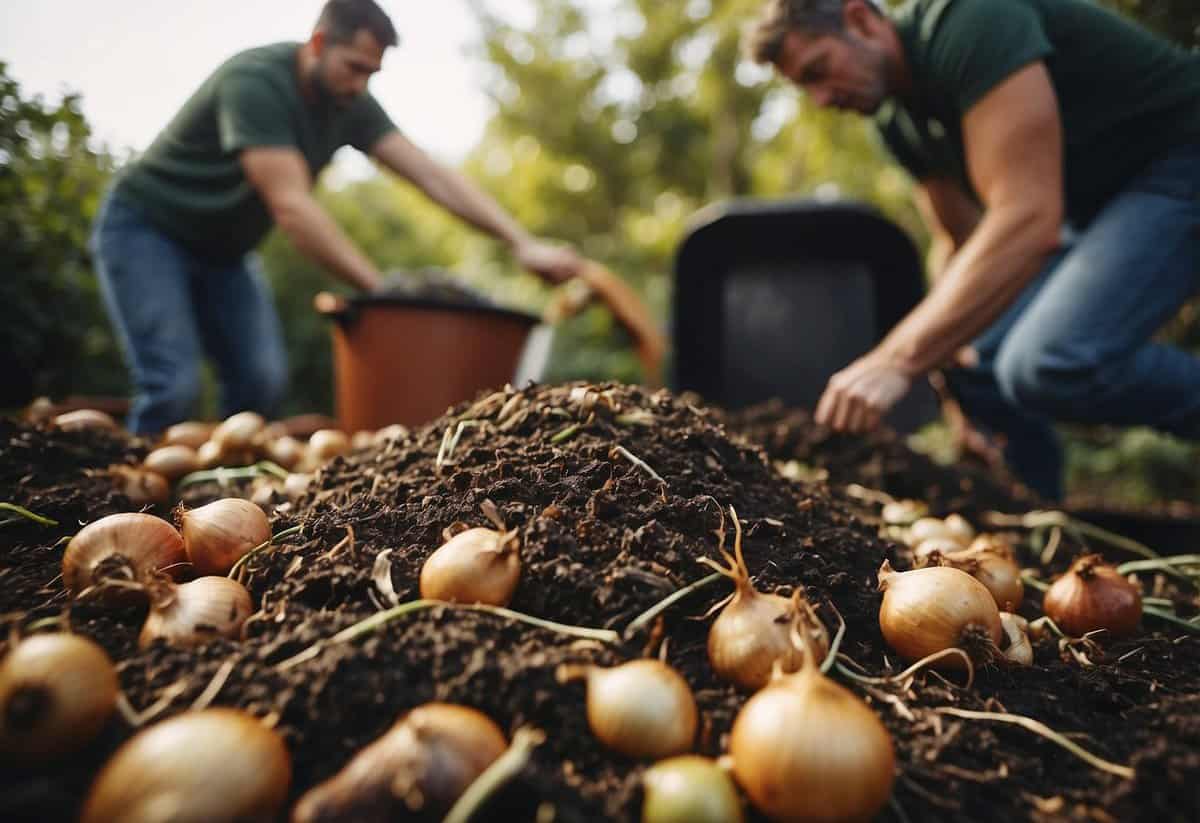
x=276, y=60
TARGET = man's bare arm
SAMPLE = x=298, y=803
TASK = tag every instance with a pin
x=1013, y=142
x=951, y=216
x=281, y=178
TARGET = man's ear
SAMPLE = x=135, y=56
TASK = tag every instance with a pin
x=859, y=16
x=317, y=42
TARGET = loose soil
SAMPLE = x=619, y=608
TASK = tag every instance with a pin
x=616, y=493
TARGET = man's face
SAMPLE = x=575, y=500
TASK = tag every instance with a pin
x=343, y=69
x=843, y=71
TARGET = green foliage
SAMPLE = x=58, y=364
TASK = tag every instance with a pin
x=53, y=335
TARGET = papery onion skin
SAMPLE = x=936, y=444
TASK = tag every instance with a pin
x=148, y=545
x=56, y=693
x=998, y=572
x=217, y=535
x=643, y=708
x=806, y=749
x=196, y=612
x=478, y=565
x=936, y=608
x=689, y=789
x=1091, y=596
x=419, y=767
x=211, y=766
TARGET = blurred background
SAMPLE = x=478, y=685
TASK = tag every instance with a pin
x=607, y=123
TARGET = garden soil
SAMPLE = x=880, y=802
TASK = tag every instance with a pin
x=616, y=493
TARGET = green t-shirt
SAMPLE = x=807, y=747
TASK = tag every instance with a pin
x=190, y=183
x=1125, y=96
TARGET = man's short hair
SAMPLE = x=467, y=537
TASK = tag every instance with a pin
x=764, y=40
x=342, y=19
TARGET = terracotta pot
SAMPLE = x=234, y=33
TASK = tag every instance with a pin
x=406, y=360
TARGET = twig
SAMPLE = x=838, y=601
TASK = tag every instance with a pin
x=503, y=769
x=379, y=619
x=27, y=514
x=647, y=617
x=1046, y=519
x=245, y=558
x=138, y=719
x=637, y=461
x=1037, y=727
x=913, y=669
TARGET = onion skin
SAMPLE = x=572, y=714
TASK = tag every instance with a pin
x=238, y=431
x=327, y=444
x=1093, y=596
x=172, y=462
x=478, y=565
x=190, y=433
x=419, y=768
x=56, y=693
x=144, y=544
x=196, y=612
x=142, y=486
x=211, y=766
x=641, y=709
x=998, y=572
x=936, y=608
x=806, y=749
x=689, y=789
x=285, y=451
x=217, y=535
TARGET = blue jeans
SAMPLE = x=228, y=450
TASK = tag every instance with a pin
x=170, y=308
x=1076, y=346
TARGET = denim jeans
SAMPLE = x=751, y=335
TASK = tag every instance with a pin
x=1076, y=346
x=170, y=308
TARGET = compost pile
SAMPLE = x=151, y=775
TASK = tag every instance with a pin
x=615, y=494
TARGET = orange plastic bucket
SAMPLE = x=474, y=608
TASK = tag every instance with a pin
x=406, y=360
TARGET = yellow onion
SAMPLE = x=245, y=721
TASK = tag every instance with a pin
x=930, y=527
x=195, y=612
x=285, y=451
x=210, y=455
x=218, y=534
x=326, y=444
x=211, y=766
x=142, y=487
x=936, y=608
x=806, y=749
x=421, y=765
x=925, y=552
x=959, y=527
x=997, y=571
x=362, y=439
x=128, y=547
x=689, y=789
x=172, y=462
x=85, y=420
x=753, y=630
x=238, y=431
x=1092, y=595
x=903, y=512
x=640, y=709
x=190, y=433
x=296, y=485
x=56, y=693
x=478, y=565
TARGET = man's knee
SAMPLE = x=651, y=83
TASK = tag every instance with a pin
x=1055, y=384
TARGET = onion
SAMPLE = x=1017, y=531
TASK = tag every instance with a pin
x=190, y=433
x=689, y=789
x=129, y=547
x=387, y=433
x=211, y=766
x=929, y=527
x=85, y=420
x=142, y=487
x=1091, y=596
x=296, y=485
x=959, y=527
x=326, y=444
x=285, y=451
x=903, y=512
x=238, y=431
x=195, y=612
x=640, y=709
x=478, y=565
x=362, y=439
x=218, y=534
x=992, y=567
x=1017, y=647
x=56, y=693
x=422, y=764
x=806, y=749
x=172, y=462
x=936, y=608
x=210, y=455
x=753, y=630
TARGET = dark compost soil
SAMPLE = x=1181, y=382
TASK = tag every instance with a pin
x=604, y=538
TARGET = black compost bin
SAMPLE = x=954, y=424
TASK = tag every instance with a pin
x=772, y=298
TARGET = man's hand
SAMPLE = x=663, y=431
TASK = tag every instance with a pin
x=858, y=396
x=553, y=263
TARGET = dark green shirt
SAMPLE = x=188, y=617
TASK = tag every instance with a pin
x=190, y=183
x=1125, y=96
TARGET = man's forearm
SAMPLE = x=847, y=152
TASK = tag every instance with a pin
x=470, y=203
x=320, y=239
x=982, y=279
